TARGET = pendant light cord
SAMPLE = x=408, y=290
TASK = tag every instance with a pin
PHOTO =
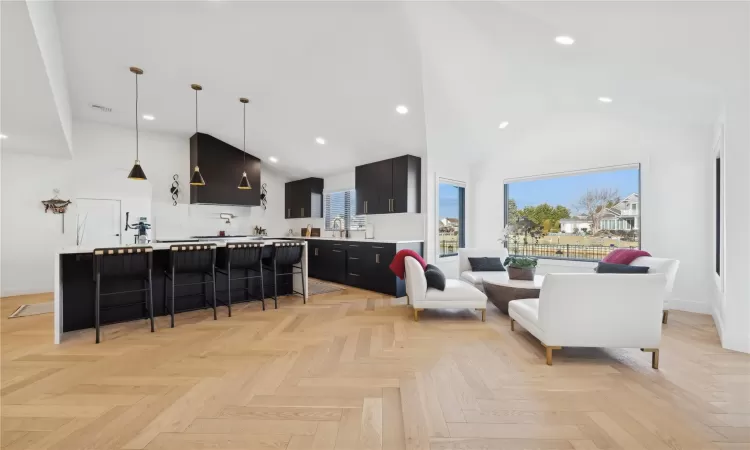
x=196, y=111
x=136, y=117
x=244, y=133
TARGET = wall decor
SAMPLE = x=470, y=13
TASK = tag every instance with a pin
x=175, y=189
x=263, y=195
x=57, y=206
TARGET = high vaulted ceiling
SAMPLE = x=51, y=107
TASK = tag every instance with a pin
x=331, y=70
x=339, y=69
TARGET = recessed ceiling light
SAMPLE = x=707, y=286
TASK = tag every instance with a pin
x=3, y=136
x=320, y=140
x=564, y=40
x=401, y=109
x=148, y=117
x=503, y=125
x=605, y=99
x=273, y=159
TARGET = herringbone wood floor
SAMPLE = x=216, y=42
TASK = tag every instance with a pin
x=351, y=370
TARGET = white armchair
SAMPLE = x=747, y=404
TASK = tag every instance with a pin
x=458, y=294
x=661, y=265
x=476, y=278
x=595, y=310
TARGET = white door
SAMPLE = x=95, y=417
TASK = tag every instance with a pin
x=99, y=220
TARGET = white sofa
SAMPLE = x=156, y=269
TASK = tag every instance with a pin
x=661, y=265
x=458, y=294
x=476, y=278
x=595, y=310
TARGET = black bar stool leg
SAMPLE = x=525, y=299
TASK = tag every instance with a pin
x=247, y=284
x=151, y=300
x=166, y=308
x=229, y=288
x=262, y=291
x=304, y=288
x=97, y=304
x=213, y=286
x=275, y=290
x=171, y=307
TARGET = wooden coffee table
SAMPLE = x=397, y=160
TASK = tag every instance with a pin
x=500, y=293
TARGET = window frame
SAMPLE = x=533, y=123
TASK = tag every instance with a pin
x=461, y=215
x=612, y=168
x=353, y=204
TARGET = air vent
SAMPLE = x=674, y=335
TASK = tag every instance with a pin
x=100, y=107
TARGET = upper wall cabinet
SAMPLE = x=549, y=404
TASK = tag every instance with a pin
x=303, y=198
x=390, y=186
x=221, y=167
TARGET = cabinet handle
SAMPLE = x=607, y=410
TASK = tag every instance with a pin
x=365, y=206
x=353, y=274
x=289, y=212
x=375, y=246
x=337, y=251
x=303, y=212
x=377, y=258
x=353, y=245
x=337, y=245
x=352, y=257
x=316, y=252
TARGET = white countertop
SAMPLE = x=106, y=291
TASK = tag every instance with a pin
x=166, y=245
x=374, y=241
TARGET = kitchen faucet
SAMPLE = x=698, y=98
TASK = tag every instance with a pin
x=341, y=226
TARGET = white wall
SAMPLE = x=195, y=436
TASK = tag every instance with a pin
x=386, y=226
x=29, y=236
x=674, y=180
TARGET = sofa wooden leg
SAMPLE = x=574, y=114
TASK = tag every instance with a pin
x=664, y=316
x=512, y=325
x=484, y=314
x=549, y=349
x=416, y=314
x=654, y=356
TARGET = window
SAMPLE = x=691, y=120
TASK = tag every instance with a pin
x=580, y=215
x=342, y=205
x=451, y=217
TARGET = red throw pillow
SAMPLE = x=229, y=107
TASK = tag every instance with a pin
x=398, y=266
x=624, y=256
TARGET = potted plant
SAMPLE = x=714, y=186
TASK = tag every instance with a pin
x=520, y=267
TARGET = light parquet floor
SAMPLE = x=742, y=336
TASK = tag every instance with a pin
x=351, y=370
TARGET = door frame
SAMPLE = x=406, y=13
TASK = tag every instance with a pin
x=119, y=215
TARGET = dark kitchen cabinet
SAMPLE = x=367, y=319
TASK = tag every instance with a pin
x=221, y=166
x=389, y=186
x=359, y=264
x=303, y=198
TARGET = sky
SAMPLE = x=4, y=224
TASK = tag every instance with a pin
x=567, y=190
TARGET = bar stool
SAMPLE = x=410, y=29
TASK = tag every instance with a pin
x=287, y=254
x=242, y=256
x=190, y=259
x=123, y=264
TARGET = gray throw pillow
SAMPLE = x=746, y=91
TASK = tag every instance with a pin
x=486, y=265
x=619, y=268
x=435, y=277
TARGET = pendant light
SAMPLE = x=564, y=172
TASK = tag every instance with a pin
x=136, y=173
x=244, y=182
x=197, y=178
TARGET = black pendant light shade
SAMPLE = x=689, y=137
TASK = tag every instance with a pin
x=244, y=182
x=197, y=178
x=136, y=173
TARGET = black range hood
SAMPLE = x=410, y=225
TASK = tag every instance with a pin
x=221, y=166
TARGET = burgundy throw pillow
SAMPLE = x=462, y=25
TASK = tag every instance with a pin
x=624, y=256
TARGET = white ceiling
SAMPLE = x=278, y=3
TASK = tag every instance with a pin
x=29, y=114
x=336, y=70
x=339, y=69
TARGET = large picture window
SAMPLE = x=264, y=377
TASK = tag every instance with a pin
x=340, y=209
x=576, y=215
x=451, y=217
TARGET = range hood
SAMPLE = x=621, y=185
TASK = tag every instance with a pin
x=221, y=166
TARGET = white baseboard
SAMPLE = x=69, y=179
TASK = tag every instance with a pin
x=686, y=305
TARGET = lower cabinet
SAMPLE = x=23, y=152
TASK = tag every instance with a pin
x=359, y=264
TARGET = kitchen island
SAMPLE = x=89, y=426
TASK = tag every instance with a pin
x=74, y=286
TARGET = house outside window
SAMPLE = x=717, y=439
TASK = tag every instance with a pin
x=340, y=209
